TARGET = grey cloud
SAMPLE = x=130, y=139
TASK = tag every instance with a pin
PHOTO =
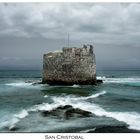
x=30, y=29
x=91, y=28
x=46, y=19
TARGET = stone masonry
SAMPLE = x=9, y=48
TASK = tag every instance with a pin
x=71, y=66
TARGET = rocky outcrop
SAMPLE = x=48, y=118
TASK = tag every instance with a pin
x=66, y=112
x=76, y=112
x=69, y=67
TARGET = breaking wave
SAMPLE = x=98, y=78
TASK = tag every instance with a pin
x=58, y=101
x=133, y=81
x=15, y=119
x=22, y=114
x=130, y=118
x=19, y=84
x=84, y=98
x=23, y=84
x=75, y=86
x=87, y=130
x=45, y=96
x=94, y=95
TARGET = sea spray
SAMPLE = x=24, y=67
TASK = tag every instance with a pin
x=121, y=80
x=130, y=118
x=22, y=114
x=118, y=98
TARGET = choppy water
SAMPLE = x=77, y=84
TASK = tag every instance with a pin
x=114, y=104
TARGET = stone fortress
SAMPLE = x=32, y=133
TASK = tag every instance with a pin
x=70, y=66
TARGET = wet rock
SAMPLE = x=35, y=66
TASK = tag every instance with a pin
x=83, y=112
x=66, y=112
x=49, y=113
x=13, y=128
x=99, y=81
x=76, y=113
x=37, y=83
x=44, y=113
x=64, y=107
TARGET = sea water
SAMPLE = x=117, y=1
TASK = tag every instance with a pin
x=115, y=103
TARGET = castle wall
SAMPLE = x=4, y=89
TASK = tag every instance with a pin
x=71, y=66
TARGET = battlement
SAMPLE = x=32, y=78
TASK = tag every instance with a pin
x=87, y=49
x=73, y=52
x=70, y=66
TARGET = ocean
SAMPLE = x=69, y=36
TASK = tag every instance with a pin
x=110, y=107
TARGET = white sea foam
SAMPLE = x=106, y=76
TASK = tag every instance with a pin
x=130, y=118
x=75, y=86
x=14, y=119
x=44, y=106
x=22, y=114
x=122, y=80
x=68, y=99
x=119, y=80
x=22, y=84
x=19, y=84
x=101, y=77
x=87, y=130
x=9, y=123
x=45, y=96
x=88, y=97
x=95, y=95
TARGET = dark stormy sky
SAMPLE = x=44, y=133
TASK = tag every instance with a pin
x=28, y=30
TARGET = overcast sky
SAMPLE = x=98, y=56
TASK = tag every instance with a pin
x=28, y=30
